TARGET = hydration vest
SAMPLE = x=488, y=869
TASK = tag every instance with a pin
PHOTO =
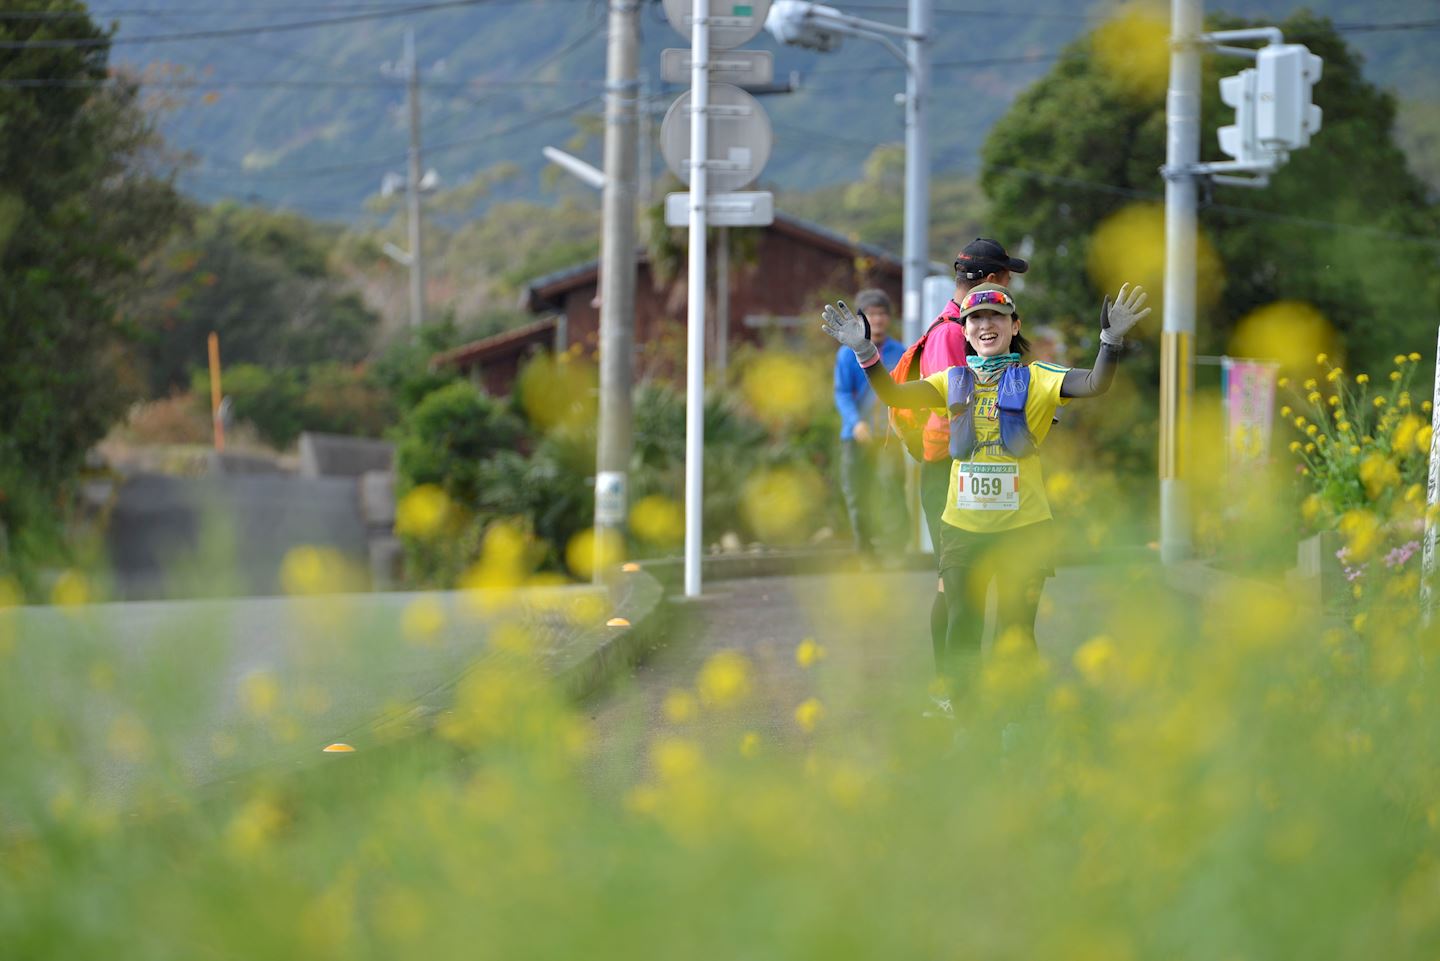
x=1011, y=393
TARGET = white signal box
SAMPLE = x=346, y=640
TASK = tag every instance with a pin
x=1238, y=139
x=1285, y=77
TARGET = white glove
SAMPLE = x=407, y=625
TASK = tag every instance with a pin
x=852, y=331
x=1116, y=319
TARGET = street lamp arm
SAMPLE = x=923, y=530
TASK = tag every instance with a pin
x=832, y=19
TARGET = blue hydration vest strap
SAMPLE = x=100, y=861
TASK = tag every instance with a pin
x=1012, y=392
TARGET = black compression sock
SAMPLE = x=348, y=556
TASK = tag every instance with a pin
x=939, y=621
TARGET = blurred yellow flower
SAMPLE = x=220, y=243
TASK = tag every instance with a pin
x=72, y=589
x=1312, y=430
x=724, y=680
x=259, y=693
x=1334, y=400
x=1362, y=378
x=1335, y=374
x=809, y=714
x=1394, y=375
x=1311, y=383
x=423, y=513
x=1414, y=493
x=1132, y=50
x=1359, y=622
x=1283, y=382
x=254, y=826
x=1310, y=508
x=680, y=706
x=1322, y=359
x=809, y=653
x=1414, y=357
x=1379, y=402
x=1285, y=411
x=749, y=744
x=675, y=759
x=1362, y=533
x=1287, y=331
x=1399, y=360
x=1313, y=397
x=658, y=520
x=591, y=551
x=782, y=387
x=423, y=620
x=1294, y=447
x=1310, y=448
x=1378, y=472
x=1094, y=657
x=1422, y=439
x=1354, y=450
x=1300, y=423
x=1407, y=433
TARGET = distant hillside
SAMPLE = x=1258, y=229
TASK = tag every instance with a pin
x=306, y=120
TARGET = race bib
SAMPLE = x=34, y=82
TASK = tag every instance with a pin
x=987, y=487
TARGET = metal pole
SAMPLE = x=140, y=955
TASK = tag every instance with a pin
x=617, y=279
x=695, y=316
x=722, y=300
x=916, y=251
x=216, y=395
x=1177, y=357
x=1427, y=557
x=412, y=186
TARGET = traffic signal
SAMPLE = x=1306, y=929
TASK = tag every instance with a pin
x=1238, y=139
x=1285, y=77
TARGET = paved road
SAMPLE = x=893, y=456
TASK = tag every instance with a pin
x=874, y=628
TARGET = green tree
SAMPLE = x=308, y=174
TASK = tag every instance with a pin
x=1345, y=225
x=263, y=280
x=86, y=194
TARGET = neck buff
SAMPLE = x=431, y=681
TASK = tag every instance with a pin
x=987, y=365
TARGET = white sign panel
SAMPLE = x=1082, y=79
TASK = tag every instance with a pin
x=753, y=208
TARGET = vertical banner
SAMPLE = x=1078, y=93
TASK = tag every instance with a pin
x=1249, y=388
x=1427, y=558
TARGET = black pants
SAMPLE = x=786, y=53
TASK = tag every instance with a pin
x=872, y=479
x=1018, y=562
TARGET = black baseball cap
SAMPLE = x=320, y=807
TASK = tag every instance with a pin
x=982, y=253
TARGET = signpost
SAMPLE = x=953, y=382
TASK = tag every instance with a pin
x=715, y=138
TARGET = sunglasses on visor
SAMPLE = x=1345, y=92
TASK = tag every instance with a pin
x=981, y=297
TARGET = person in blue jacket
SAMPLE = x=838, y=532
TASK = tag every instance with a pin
x=871, y=475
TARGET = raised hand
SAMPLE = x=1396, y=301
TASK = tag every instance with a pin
x=1117, y=318
x=850, y=330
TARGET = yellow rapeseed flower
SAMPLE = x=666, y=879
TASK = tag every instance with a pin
x=1394, y=375
x=724, y=680
x=1310, y=508
x=1399, y=360
x=809, y=653
x=1311, y=383
x=1414, y=357
x=1422, y=439
x=808, y=714
x=675, y=759
x=1343, y=426
x=1294, y=447
x=1299, y=423
x=1334, y=400
x=1407, y=433
x=1379, y=402
x=679, y=706
x=1322, y=359
x=1335, y=374
x=1362, y=378
x=1309, y=448
x=1425, y=407
x=1414, y=493
x=749, y=744
x=1094, y=657
x=1354, y=450
x=1286, y=411
x=1283, y=382
x=1312, y=430
x=1313, y=397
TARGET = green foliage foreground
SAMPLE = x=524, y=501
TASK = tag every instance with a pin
x=1240, y=779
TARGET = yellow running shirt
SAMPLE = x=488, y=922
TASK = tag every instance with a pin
x=990, y=491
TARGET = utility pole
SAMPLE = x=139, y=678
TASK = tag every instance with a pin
x=617, y=276
x=1177, y=346
x=412, y=185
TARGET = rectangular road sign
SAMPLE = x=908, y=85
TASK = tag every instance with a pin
x=746, y=208
x=744, y=68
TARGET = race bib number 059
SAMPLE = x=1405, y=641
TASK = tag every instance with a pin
x=987, y=487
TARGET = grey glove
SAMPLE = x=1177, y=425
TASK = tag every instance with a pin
x=852, y=331
x=1117, y=318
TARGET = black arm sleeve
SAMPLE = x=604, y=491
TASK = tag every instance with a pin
x=1092, y=382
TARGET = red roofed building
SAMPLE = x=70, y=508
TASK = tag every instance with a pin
x=792, y=268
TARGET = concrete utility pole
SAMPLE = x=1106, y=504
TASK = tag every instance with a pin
x=1177, y=349
x=617, y=274
x=412, y=185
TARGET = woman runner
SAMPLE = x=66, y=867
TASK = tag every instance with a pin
x=997, y=523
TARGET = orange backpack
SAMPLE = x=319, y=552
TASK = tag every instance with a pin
x=910, y=425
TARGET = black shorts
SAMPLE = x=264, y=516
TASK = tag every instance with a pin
x=1027, y=552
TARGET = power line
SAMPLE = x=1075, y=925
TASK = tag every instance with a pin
x=372, y=163
x=206, y=84
x=250, y=10
x=946, y=64
x=243, y=31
